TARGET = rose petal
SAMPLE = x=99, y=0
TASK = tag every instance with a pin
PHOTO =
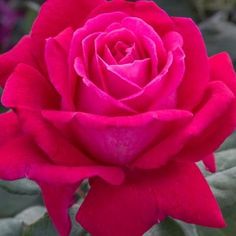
x=53, y=18
x=197, y=69
x=146, y=10
x=27, y=88
x=9, y=126
x=56, y=145
x=56, y=56
x=192, y=142
x=207, y=123
x=118, y=140
x=210, y=163
x=145, y=198
x=21, y=53
x=160, y=92
x=21, y=158
x=104, y=105
x=222, y=69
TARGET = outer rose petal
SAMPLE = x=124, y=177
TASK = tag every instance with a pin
x=56, y=56
x=26, y=87
x=21, y=53
x=210, y=163
x=118, y=140
x=57, y=15
x=21, y=158
x=196, y=63
x=222, y=69
x=9, y=126
x=178, y=190
x=146, y=10
x=192, y=142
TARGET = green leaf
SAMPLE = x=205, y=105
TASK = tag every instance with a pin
x=11, y=227
x=40, y=228
x=11, y=204
x=22, y=187
x=220, y=34
x=178, y=7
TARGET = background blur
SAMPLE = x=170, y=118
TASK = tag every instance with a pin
x=21, y=207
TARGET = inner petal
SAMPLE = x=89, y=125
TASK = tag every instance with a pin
x=138, y=71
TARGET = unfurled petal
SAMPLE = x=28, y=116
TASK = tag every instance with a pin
x=178, y=190
x=27, y=88
x=210, y=163
x=196, y=76
x=204, y=126
x=53, y=17
x=222, y=69
x=21, y=53
x=118, y=140
x=56, y=56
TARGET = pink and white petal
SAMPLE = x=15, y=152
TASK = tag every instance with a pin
x=118, y=140
x=146, y=198
x=26, y=87
x=56, y=56
x=210, y=163
x=88, y=92
x=21, y=53
x=201, y=136
x=196, y=64
x=222, y=69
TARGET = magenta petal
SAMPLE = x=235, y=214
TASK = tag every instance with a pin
x=56, y=56
x=145, y=10
x=53, y=17
x=118, y=140
x=9, y=126
x=196, y=64
x=222, y=69
x=59, y=184
x=27, y=88
x=15, y=158
x=104, y=105
x=210, y=163
x=58, y=200
x=145, y=198
x=192, y=141
x=207, y=120
x=21, y=53
x=160, y=93
x=57, y=146
x=137, y=72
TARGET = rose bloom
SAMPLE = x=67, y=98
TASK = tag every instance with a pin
x=124, y=95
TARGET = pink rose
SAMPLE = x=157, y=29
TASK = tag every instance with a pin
x=124, y=95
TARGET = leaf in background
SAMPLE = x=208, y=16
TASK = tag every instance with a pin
x=11, y=204
x=178, y=7
x=220, y=34
x=41, y=228
x=11, y=227
x=23, y=186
